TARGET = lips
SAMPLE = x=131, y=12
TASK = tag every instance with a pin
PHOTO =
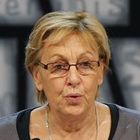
x=73, y=98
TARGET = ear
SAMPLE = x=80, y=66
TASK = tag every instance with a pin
x=101, y=73
x=36, y=74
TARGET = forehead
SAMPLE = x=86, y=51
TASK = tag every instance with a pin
x=71, y=45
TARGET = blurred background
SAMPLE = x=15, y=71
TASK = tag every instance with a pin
x=121, y=20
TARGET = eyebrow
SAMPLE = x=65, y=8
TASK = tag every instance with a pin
x=87, y=52
x=64, y=57
x=57, y=55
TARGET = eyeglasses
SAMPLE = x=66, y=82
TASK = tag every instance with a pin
x=61, y=68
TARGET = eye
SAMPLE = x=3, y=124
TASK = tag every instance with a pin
x=85, y=65
x=57, y=67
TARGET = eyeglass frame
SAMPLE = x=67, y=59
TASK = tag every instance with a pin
x=45, y=66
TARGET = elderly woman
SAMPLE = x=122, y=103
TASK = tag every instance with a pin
x=67, y=56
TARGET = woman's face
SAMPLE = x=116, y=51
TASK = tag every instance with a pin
x=72, y=93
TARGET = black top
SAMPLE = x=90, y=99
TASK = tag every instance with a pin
x=24, y=118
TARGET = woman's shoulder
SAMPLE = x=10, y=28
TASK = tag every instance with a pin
x=128, y=113
x=128, y=124
x=8, y=126
x=12, y=118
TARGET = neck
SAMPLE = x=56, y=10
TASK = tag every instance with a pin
x=70, y=124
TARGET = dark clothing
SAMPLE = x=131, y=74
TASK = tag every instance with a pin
x=125, y=125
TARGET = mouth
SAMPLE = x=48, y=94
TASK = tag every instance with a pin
x=73, y=98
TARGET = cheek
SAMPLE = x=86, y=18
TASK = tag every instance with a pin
x=100, y=74
x=53, y=87
x=90, y=86
x=91, y=83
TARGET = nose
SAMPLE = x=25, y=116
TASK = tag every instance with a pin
x=73, y=78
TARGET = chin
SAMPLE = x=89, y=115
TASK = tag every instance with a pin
x=73, y=110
